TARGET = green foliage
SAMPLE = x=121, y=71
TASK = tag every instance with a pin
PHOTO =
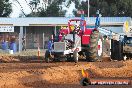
x=107, y=7
x=34, y=4
x=5, y=8
x=53, y=10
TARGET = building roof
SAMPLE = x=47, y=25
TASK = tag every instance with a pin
x=59, y=21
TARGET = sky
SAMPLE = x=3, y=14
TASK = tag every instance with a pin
x=17, y=10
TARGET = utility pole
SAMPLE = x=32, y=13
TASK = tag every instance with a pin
x=88, y=8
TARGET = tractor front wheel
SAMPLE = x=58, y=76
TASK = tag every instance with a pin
x=75, y=56
x=47, y=56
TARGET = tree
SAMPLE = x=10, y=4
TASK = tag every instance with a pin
x=124, y=8
x=5, y=8
x=34, y=4
x=23, y=13
x=53, y=10
x=107, y=7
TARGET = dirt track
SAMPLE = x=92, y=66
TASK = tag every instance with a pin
x=61, y=74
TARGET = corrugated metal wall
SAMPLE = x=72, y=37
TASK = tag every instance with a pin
x=38, y=36
x=35, y=36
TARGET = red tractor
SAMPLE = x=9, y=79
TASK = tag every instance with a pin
x=76, y=40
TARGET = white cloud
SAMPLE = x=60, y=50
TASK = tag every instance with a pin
x=17, y=10
x=27, y=10
x=70, y=10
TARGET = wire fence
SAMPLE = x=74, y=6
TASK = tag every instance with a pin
x=30, y=44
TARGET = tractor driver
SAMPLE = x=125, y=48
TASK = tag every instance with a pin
x=77, y=28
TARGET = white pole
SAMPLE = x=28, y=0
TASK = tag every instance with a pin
x=25, y=37
x=20, y=38
x=55, y=31
x=43, y=41
x=88, y=9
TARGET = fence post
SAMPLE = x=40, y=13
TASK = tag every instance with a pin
x=25, y=38
x=20, y=38
x=43, y=41
x=38, y=52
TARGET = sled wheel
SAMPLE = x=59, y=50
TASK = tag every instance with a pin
x=75, y=56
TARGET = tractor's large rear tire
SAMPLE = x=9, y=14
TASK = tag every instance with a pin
x=95, y=51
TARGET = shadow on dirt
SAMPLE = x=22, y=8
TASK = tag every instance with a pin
x=21, y=59
x=102, y=65
x=37, y=80
x=29, y=59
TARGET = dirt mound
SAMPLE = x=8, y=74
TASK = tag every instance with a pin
x=13, y=59
x=8, y=59
x=65, y=74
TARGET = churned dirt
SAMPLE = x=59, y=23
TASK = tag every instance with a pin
x=26, y=70
x=61, y=74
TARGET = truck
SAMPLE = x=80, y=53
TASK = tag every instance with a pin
x=121, y=44
x=77, y=39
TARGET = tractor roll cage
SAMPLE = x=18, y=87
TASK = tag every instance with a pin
x=82, y=23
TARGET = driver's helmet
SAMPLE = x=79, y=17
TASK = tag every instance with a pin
x=77, y=26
